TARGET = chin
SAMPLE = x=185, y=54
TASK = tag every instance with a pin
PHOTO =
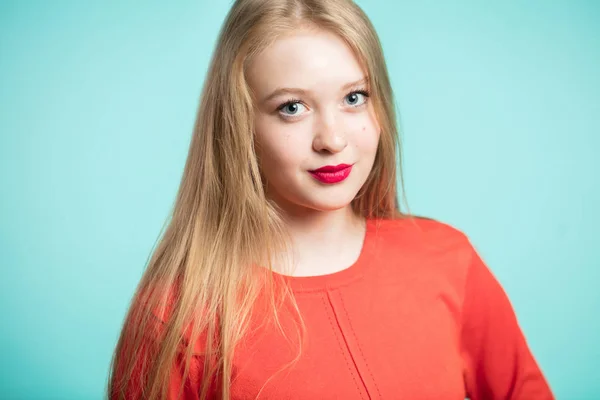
x=317, y=199
x=329, y=204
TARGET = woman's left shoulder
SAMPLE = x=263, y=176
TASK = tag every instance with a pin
x=415, y=229
x=432, y=249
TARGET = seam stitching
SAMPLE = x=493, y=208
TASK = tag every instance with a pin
x=358, y=345
x=342, y=349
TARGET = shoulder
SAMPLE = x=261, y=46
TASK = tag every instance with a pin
x=162, y=306
x=420, y=232
x=424, y=246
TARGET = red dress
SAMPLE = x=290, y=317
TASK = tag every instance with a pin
x=417, y=316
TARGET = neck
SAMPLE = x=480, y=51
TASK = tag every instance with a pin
x=323, y=241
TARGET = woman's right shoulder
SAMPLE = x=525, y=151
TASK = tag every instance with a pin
x=160, y=303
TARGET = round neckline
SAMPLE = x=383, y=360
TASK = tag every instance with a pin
x=357, y=269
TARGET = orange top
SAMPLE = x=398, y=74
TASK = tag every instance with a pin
x=417, y=316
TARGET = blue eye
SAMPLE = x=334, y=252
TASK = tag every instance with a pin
x=291, y=108
x=357, y=98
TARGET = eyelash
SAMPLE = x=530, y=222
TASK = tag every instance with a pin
x=364, y=92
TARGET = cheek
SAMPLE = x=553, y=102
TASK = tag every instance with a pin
x=279, y=145
x=366, y=138
x=368, y=142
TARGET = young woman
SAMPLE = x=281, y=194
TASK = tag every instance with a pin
x=287, y=270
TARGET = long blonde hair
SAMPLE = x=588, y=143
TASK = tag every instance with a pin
x=198, y=278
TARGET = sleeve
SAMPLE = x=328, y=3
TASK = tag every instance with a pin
x=191, y=389
x=193, y=379
x=498, y=361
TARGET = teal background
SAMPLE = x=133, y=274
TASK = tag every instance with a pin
x=500, y=115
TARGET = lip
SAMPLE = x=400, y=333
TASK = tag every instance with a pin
x=332, y=173
x=331, y=168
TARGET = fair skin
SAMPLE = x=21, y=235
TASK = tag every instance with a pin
x=329, y=121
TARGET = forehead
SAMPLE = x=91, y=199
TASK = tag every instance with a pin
x=311, y=59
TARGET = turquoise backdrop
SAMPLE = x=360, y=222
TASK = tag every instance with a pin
x=499, y=108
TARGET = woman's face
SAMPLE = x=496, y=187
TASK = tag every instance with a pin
x=312, y=111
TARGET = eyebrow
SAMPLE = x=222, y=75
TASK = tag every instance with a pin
x=284, y=90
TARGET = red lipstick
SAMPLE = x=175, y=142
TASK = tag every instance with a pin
x=332, y=173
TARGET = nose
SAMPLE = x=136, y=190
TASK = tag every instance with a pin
x=328, y=136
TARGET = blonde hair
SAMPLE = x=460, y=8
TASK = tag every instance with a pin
x=198, y=279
